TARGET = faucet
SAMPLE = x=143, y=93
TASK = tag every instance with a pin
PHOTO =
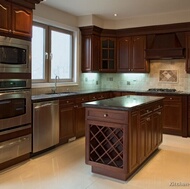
x=55, y=87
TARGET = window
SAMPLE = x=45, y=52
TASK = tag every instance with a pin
x=52, y=54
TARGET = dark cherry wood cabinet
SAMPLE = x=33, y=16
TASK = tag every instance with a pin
x=67, y=120
x=15, y=20
x=72, y=115
x=188, y=52
x=133, y=141
x=188, y=125
x=131, y=54
x=21, y=21
x=150, y=130
x=79, y=112
x=175, y=107
x=173, y=115
x=108, y=55
x=118, y=142
x=90, y=48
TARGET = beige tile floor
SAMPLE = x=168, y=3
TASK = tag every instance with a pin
x=64, y=168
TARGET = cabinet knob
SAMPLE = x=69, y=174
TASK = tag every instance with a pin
x=171, y=98
x=9, y=31
x=105, y=115
x=159, y=113
x=148, y=118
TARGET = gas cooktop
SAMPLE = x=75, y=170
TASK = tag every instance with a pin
x=162, y=90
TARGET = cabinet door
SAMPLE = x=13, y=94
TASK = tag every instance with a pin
x=133, y=141
x=142, y=140
x=139, y=64
x=188, y=52
x=67, y=123
x=5, y=16
x=79, y=120
x=172, y=115
x=156, y=129
x=145, y=138
x=90, y=53
x=123, y=54
x=148, y=135
x=21, y=21
x=108, y=55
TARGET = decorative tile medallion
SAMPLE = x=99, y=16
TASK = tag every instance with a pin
x=168, y=76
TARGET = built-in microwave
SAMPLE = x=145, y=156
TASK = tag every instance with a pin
x=15, y=55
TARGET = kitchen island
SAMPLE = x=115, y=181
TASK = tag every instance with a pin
x=122, y=133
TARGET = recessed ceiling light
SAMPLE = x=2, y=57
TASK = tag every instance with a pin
x=115, y=14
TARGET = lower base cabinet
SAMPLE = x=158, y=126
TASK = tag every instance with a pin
x=72, y=115
x=118, y=146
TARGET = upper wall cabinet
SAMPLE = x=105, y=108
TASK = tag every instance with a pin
x=129, y=50
x=90, y=48
x=108, y=54
x=131, y=54
x=188, y=52
x=16, y=18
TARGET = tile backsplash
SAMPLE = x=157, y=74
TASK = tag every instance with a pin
x=163, y=74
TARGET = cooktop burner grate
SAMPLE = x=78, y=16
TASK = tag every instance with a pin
x=161, y=90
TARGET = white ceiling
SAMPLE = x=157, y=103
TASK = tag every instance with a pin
x=124, y=8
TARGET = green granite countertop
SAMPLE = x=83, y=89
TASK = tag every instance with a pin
x=123, y=102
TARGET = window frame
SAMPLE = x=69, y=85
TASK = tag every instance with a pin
x=47, y=81
x=52, y=28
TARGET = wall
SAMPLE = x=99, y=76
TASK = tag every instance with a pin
x=89, y=81
x=146, y=20
x=131, y=81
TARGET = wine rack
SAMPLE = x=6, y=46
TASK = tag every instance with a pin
x=106, y=145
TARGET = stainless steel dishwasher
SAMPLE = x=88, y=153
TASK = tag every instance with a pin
x=45, y=125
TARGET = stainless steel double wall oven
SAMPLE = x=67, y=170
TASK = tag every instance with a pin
x=15, y=100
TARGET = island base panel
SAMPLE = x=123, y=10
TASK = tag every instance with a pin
x=114, y=174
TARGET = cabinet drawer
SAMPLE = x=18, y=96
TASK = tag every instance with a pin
x=15, y=148
x=82, y=99
x=103, y=95
x=145, y=111
x=93, y=97
x=172, y=98
x=107, y=115
x=67, y=101
x=157, y=106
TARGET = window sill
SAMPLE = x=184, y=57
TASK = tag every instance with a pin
x=45, y=85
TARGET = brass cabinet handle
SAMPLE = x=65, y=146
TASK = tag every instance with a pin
x=105, y=115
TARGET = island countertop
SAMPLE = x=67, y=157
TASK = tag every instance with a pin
x=123, y=102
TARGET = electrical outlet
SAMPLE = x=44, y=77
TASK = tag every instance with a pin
x=96, y=82
x=128, y=83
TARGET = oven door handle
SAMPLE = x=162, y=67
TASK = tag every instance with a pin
x=5, y=102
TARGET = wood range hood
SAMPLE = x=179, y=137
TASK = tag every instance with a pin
x=166, y=46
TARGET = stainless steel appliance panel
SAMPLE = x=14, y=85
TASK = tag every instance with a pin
x=15, y=108
x=14, y=148
x=13, y=84
x=45, y=125
x=15, y=55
